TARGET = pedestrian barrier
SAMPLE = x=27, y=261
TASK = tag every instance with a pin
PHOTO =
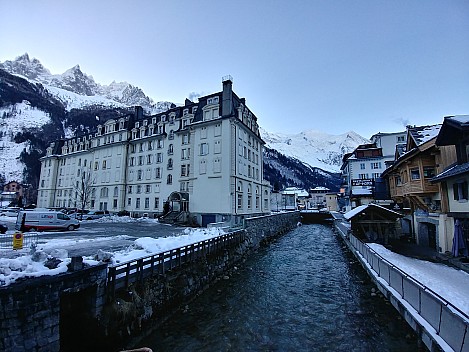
x=448, y=321
x=11, y=242
x=123, y=274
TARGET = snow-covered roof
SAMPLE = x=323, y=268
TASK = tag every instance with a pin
x=361, y=208
x=422, y=134
x=295, y=190
x=454, y=170
x=320, y=189
x=350, y=214
x=462, y=119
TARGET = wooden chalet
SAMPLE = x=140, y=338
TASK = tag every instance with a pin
x=374, y=223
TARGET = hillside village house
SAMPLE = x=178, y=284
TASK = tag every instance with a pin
x=422, y=201
x=361, y=170
x=201, y=162
x=454, y=180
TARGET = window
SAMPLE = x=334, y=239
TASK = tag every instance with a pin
x=104, y=164
x=170, y=164
x=375, y=175
x=147, y=188
x=129, y=201
x=240, y=201
x=203, y=149
x=116, y=191
x=414, y=174
x=149, y=159
x=362, y=176
x=140, y=160
x=139, y=175
x=460, y=191
x=400, y=139
x=398, y=181
x=130, y=190
x=159, y=143
x=185, y=153
x=104, y=192
x=147, y=203
x=171, y=134
x=169, y=179
x=362, y=166
x=185, y=138
x=376, y=165
x=96, y=165
x=170, y=149
x=428, y=172
x=159, y=157
x=217, y=147
x=157, y=172
x=137, y=203
x=114, y=204
x=139, y=189
x=157, y=203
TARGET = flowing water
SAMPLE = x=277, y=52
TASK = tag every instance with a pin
x=303, y=292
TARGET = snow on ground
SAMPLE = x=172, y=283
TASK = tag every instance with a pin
x=146, y=246
x=16, y=118
x=33, y=265
x=450, y=283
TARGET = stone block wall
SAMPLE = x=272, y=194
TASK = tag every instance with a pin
x=31, y=310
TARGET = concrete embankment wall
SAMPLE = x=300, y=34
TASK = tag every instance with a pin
x=439, y=325
x=80, y=310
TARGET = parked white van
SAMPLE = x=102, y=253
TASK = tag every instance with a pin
x=45, y=220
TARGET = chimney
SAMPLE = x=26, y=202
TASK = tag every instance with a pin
x=227, y=96
x=138, y=113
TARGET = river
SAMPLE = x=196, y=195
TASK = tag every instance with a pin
x=303, y=292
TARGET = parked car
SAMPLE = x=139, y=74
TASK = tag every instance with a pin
x=13, y=212
x=98, y=214
x=3, y=228
x=45, y=220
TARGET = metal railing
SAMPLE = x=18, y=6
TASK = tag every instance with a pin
x=6, y=241
x=123, y=274
x=449, y=322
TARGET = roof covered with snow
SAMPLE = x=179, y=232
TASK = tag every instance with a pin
x=354, y=212
x=422, y=134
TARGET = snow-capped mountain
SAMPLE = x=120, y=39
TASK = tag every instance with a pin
x=37, y=107
x=317, y=149
x=85, y=91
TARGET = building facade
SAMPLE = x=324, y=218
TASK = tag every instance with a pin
x=410, y=183
x=202, y=162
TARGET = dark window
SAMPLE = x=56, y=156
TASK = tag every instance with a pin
x=460, y=191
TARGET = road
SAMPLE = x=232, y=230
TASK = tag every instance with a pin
x=94, y=235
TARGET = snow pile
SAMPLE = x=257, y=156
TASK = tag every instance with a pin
x=146, y=246
x=36, y=264
x=122, y=219
x=13, y=269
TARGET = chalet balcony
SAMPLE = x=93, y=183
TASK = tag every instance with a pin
x=418, y=187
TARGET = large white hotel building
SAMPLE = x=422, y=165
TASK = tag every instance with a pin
x=203, y=160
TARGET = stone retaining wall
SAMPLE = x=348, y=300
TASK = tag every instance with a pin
x=33, y=312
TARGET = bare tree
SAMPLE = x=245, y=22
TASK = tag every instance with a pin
x=83, y=190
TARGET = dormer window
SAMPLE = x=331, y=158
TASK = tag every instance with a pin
x=163, y=118
x=213, y=100
x=145, y=122
x=137, y=124
x=186, y=111
x=194, y=109
x=153, y=120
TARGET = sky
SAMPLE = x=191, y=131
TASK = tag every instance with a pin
x=334, y=66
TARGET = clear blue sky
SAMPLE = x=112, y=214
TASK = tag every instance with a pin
x=333, y=66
